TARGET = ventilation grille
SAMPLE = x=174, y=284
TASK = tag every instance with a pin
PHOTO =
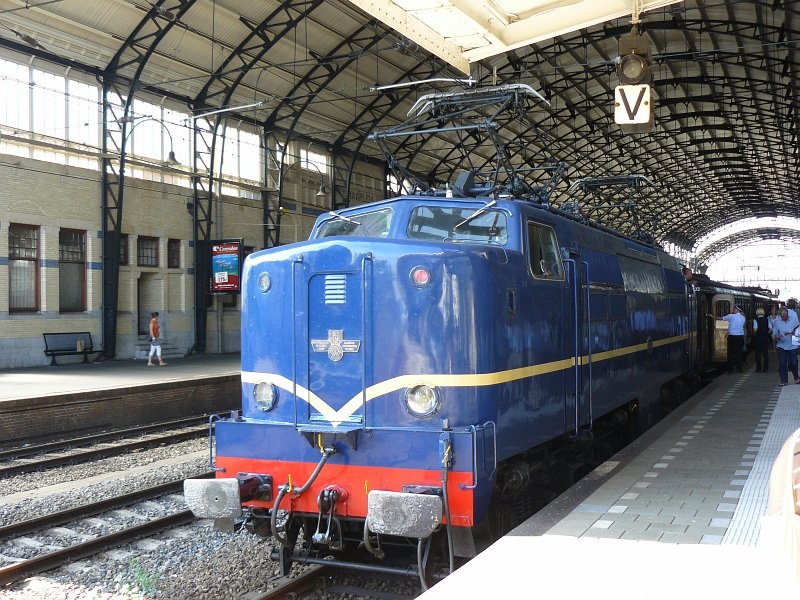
x=335, y=292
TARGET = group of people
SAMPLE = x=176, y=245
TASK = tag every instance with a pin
x=781, y=329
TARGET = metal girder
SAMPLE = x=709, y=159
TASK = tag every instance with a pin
x=721, y=70
x=377, y=111
x=315, y=81
x=208, y=131
x=122, y=78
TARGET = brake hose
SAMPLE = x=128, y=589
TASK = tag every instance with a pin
x=273, y=518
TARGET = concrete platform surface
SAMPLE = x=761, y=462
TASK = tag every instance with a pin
x=37, y=382
x=680, y=513
x=554, y=566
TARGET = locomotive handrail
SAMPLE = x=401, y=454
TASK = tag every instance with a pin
x=297, y=261
x=473, y=430
x=692, y=309
x=576, y=338
x=211, y=420
x=589, y=341
x=364, y=296
x=578, y=355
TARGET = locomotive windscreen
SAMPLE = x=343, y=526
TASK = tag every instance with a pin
x=370, y=224
x=448, y=223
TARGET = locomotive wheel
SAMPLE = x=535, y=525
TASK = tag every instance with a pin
x=502, y=517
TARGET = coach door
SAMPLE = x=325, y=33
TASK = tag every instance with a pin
x=578, y=387
x=722, y=304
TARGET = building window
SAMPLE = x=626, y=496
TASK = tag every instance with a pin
x=23, y=268
x=72, y=270
x=174, y=254
x=147, y=252
x=123, y=249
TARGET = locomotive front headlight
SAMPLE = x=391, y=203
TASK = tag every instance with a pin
x=264, y=282
x=265, y=395
x=422, y=400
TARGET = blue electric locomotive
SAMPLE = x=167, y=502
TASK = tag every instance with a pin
x=407, y=370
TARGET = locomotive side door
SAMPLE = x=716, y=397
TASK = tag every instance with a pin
x=578, y=387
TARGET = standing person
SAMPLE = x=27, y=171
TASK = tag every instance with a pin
x=773, y=316
x=736, y=322
x=787, y=352
x=155, y=341
x=791, y=304
x=762, y=328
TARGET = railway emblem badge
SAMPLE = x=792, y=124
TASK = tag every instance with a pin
x=336, y=345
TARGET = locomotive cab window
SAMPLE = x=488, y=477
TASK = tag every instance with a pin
x=368, y=224
x=458, y=223
x=543, y=252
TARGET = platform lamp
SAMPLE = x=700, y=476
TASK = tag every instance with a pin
x=321, y=193
x=171, y=159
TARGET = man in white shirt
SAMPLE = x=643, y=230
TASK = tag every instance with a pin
x=782, y=331
x=736, y=322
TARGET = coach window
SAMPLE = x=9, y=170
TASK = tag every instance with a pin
x=23, y=268
x=722, y=308
x=543, y=252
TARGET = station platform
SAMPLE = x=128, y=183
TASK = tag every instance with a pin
x=45, y=401
x=678, y=513
x=36, y=382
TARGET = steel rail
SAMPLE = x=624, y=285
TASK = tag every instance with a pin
x=82, y=455
x=291, y=586
x=88, y=510
x=55, y=559
x=21, y=452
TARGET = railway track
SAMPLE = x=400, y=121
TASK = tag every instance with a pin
x=321, y=581
x=28, y=459
x=57, y=557
x=293, y=585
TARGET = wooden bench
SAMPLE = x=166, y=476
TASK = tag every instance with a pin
x=68, y=344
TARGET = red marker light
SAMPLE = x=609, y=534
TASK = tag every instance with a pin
x=420, y=276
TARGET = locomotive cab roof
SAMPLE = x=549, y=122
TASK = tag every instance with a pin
x=477, y=220
x=424, y=218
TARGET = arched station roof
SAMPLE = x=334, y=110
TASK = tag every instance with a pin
x=737, y=240
x=724, y=145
